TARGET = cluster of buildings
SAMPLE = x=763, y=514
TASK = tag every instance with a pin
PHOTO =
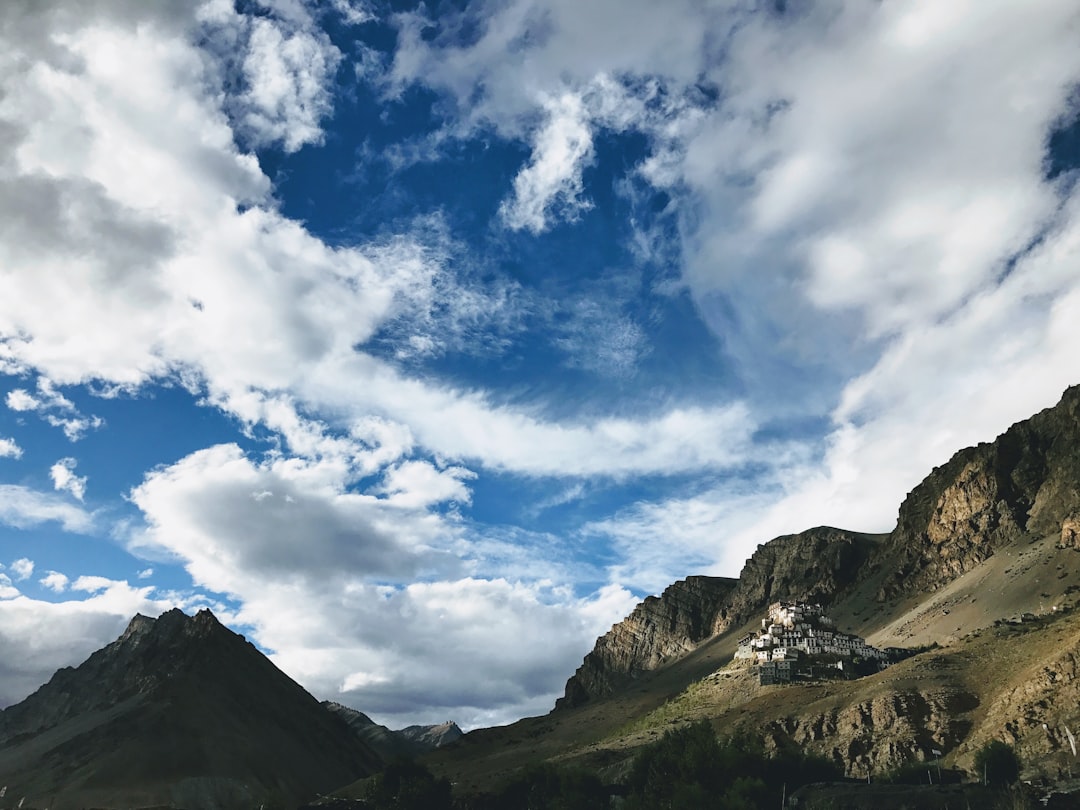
x=796, y=636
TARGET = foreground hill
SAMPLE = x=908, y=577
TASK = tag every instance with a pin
x=179, y=712
x=989, y=536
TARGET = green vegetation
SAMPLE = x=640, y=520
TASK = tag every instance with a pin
x=408, y=785
x=997, y=764
x=691, y=768
x=687, y=768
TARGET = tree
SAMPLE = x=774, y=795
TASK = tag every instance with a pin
x=997, y=764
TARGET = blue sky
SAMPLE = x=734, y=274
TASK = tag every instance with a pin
x=420, y=341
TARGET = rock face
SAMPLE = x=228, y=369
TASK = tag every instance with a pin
x=659, y=629
x=814, y=566
x=1025, y=482
x=435, y=736
x=181, y=712
x=876, y=735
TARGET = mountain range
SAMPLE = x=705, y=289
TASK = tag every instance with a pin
x=979, y=581
x=180, y=711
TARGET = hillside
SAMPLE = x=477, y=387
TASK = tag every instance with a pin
x=989, y=536
x=179, y=711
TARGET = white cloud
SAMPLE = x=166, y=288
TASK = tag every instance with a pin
x=353, y=12
x=203, y=510
x=146, y=573
x=417, y=484
x=54, y=581
x=853, y=183
x=7, y=590
x=551, y=186
x=9, y=449
x=55, y=408
x=22, y=568
x=288, y=75
x=19, y=400
x=301, y=553
x=64, y=478
x=23, y=507
x=381, y=657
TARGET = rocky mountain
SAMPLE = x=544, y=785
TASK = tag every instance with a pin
x=177, y=712
x=980, y=577
x=813, y=566
x=659, y=629
x=411, y=741
x=434, y=736
x=1026, y=483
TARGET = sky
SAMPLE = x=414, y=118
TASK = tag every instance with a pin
x=420, y=341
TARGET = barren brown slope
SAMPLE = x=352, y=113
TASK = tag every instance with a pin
x=180, y=712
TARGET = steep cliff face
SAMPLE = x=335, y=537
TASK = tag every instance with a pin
x=811, y=566
x=659, y=629
x=814, y=565
x=1027, y=482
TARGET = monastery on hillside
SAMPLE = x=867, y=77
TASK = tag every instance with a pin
x=795, y=637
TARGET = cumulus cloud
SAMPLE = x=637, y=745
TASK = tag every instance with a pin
x=863, y=219
x=7, y=590
x=64, y=478
x=9, y=449
x=380, y=658
x=54, y=581
x=288, y=73
x=297, y=519
x=22, y=568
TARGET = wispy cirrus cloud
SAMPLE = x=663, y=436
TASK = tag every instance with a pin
x=23, y=507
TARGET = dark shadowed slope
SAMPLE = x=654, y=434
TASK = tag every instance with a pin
x=179, y=711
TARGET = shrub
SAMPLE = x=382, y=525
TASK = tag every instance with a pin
x=997, y=764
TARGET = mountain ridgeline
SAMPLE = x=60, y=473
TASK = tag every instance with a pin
x=1026, y=483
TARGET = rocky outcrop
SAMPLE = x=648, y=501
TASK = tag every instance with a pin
x=1025, y=482
x=179, y=711
x=811, y=566
x=878, y=734
x=658, y=630
x=1070, y=532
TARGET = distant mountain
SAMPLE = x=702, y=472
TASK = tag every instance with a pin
x=435, y=736
x=177, y=712
x=412, y=741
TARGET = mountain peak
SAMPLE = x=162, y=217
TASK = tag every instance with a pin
x=139, y=712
